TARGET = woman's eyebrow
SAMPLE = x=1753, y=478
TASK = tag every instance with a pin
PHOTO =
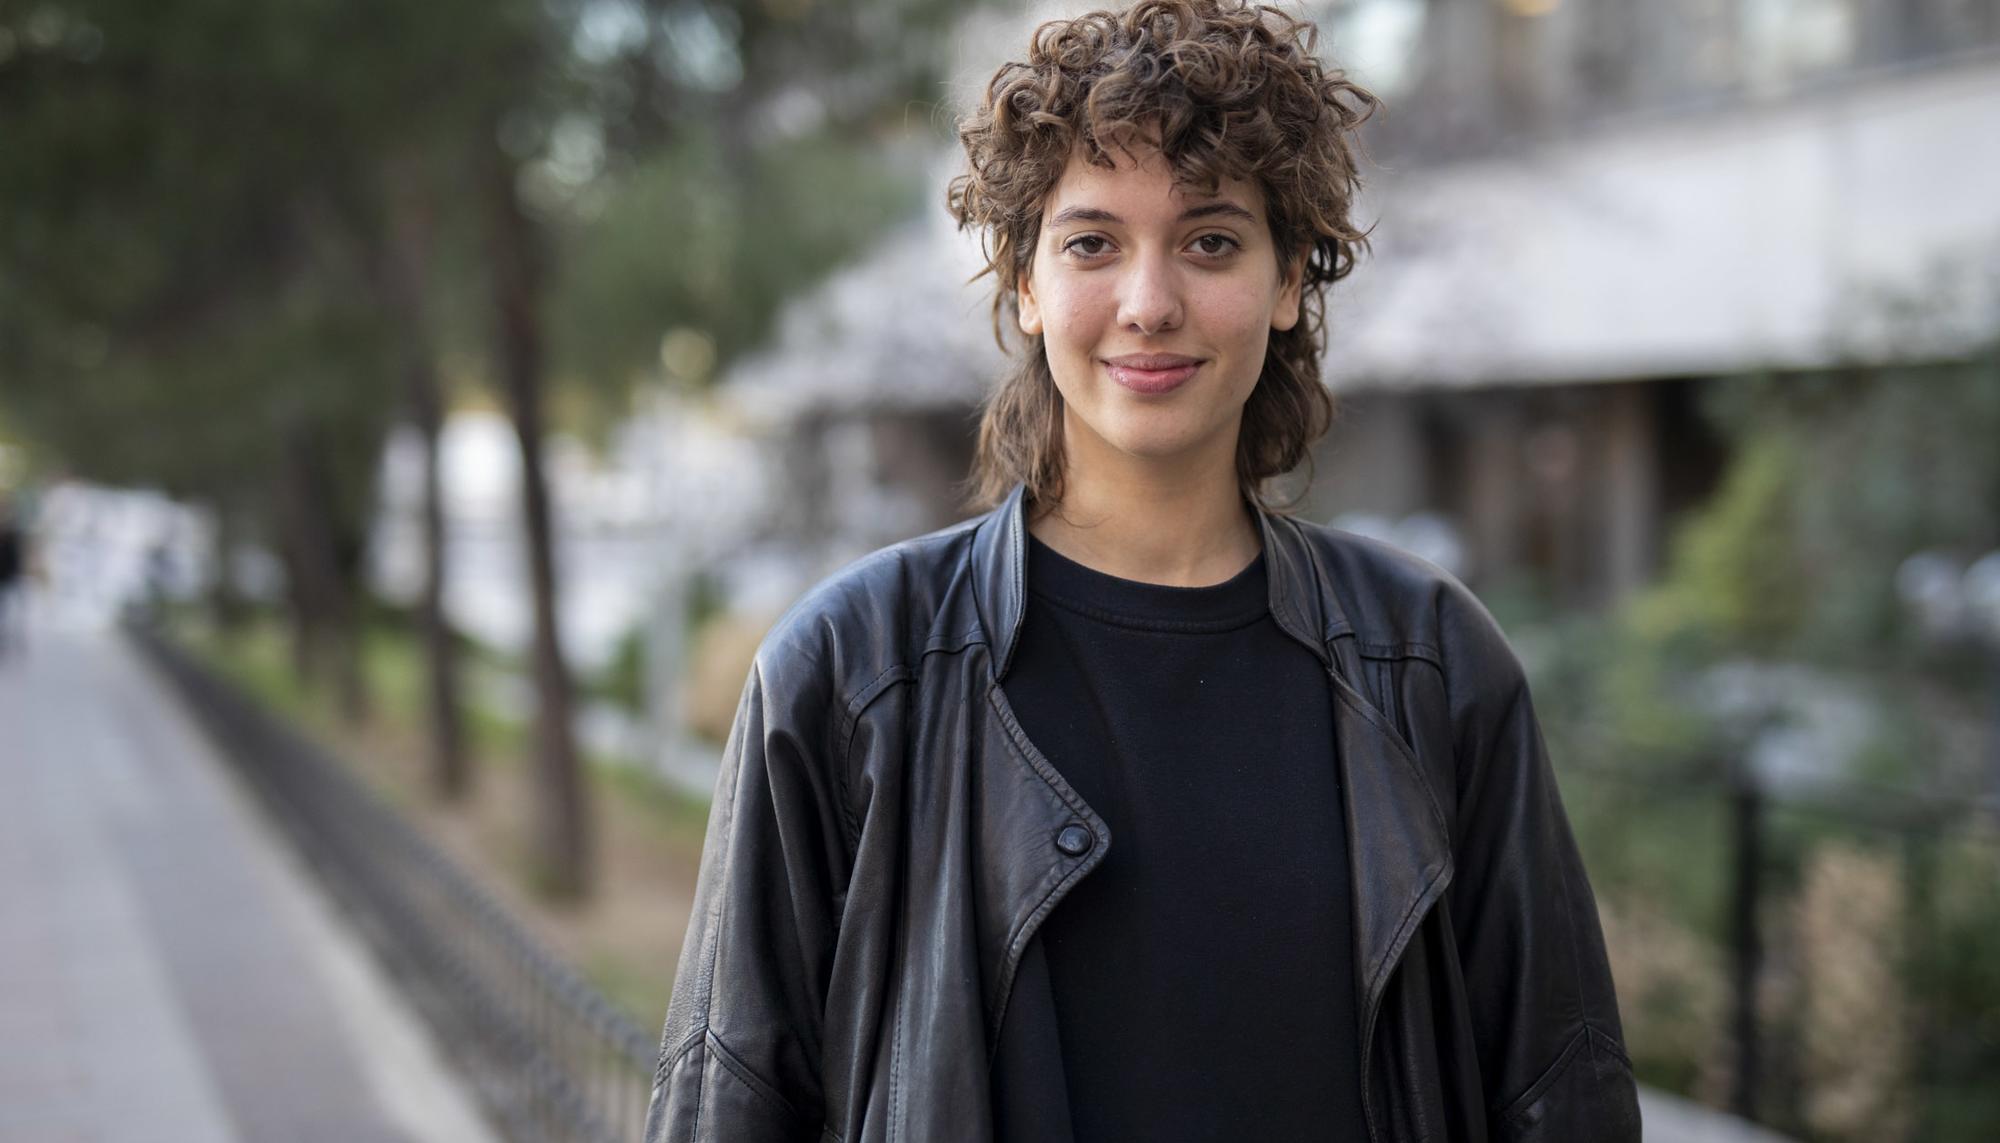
x=1223, y=208
x=1205, y=210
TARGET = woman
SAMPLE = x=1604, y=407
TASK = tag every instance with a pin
x=1132, y=809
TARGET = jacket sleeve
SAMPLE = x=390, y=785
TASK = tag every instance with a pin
x=740, y=1054
x=1545, y=1017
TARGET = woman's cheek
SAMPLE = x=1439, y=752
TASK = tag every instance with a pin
x=1237, y=309
x=1078, y=306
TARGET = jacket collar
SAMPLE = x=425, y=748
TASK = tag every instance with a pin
x=1000, y=563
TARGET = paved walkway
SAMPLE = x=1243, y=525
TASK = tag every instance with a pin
x=168, y=971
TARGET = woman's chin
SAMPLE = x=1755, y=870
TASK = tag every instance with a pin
x=1160, y=447
x=1155, y=436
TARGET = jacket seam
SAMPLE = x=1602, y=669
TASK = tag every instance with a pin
x=1567, y=914
x=713, y=941
x=1517, y=1108
x=669, y=1058
x=1383, y=680
x=1407, y=755
x=1514, y=1110
x=1385, y=691
x=1607, y=1040
x=870, y=691
x=1569, y=922
x=757, y=1085
x=853, y=709
x=953, y=643
x=1406, y=649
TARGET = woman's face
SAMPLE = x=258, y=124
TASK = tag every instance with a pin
x=1155, y=307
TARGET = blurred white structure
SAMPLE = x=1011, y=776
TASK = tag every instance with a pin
x=677, y=489
x=1861, y=224
x=101, y=550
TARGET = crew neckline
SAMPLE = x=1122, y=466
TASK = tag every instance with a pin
x=1235, y=602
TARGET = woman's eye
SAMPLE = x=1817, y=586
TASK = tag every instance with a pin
x=1088, y=245
x=1215, y=244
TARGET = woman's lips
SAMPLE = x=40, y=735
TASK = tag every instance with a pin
x=1151, y=377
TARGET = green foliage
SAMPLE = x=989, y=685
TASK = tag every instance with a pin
x=623, y=679
x=1840, y=477
x=1732, y=585
x=185, y=274
x=684, y=240
x=1953, y=974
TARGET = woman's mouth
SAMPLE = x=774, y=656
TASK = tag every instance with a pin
x=1152, y=373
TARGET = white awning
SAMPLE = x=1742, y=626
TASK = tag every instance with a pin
x=1857, y=223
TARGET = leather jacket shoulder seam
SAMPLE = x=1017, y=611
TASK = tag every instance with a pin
x=955, y=643
x=871, y=689
x=853, y=710
x=1404, y=649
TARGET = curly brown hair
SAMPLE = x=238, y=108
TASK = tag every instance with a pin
x=1224, y=90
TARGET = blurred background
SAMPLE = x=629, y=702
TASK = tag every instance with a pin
x=413, y=415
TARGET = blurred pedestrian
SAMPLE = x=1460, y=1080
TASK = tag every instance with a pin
x=13, y=575
x=1136, y=808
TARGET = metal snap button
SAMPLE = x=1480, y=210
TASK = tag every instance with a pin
x=1074, y=840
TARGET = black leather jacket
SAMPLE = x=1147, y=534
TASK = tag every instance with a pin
x=885, y=840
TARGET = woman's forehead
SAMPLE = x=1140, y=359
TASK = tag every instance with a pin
x=1141, y=178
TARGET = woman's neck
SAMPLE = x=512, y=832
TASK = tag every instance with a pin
x=1184, y=527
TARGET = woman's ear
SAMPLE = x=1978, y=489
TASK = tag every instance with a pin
x=1291, y=289
x=1028, y=312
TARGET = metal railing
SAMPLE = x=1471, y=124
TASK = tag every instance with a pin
x=1767, y=839
x=550, y=1058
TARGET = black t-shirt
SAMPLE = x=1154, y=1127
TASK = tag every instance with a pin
x=1203, y=974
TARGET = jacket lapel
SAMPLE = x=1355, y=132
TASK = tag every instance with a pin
x=1399, y=846
x=1021, y=805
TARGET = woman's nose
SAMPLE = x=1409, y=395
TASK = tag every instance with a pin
x=1151, y=300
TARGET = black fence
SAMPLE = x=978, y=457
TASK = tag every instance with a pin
x=1901, y=1046
x=551, y=1059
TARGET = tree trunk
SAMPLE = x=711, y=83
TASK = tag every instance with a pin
x=405, y=278
x=304, y=625
x=328, y=641
x=563, y=833
x=225, y=605
x=451, y=777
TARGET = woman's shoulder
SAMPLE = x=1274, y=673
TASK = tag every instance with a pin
x=878, y=613
x=1397, y=603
